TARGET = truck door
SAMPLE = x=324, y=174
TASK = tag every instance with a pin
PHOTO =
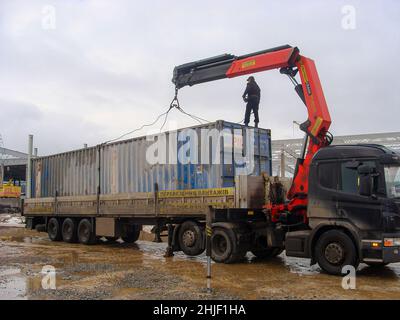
x=323, y=190
x=363, y=211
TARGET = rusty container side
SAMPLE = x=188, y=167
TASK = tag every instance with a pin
x=68, y=174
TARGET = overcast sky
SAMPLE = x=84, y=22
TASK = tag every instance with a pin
x=97, y=69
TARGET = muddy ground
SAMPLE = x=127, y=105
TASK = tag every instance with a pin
x=139, y=271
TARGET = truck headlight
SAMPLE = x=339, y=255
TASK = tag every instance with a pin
x=391, y=242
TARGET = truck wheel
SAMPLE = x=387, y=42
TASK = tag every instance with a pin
x=224, y=248
x=68, y=230
x=54, y=230
x=262, y=251
x=334, y=250
x=190, y=238
x=132, y=234
x=85, y=233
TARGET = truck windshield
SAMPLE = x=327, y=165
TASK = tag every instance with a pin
x=392, y=178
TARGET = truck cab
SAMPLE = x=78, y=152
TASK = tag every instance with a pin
x=353, y=208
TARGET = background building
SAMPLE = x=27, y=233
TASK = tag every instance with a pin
x=12, y=165
x=285, y=152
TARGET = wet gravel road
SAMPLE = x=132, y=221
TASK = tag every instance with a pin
x=139, y=271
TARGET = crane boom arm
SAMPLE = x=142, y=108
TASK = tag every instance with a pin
x=229, y=66
x=290, y=62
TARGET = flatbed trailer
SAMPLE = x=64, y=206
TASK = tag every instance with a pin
x=183, y=212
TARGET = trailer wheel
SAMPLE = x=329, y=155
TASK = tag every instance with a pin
x=132, y=234
x=54, y=230
x=68, y=230
x=85, y=232
x=334, y=250
x=191, y=238
x=262, y=251
x=224, y=248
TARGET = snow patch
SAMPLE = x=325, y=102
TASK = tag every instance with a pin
x=12, y=220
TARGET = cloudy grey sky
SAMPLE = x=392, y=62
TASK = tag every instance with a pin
x=106, y=68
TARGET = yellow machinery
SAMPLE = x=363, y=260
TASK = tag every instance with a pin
x=9, y=190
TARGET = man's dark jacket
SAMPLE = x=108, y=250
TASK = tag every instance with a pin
x=252, y=92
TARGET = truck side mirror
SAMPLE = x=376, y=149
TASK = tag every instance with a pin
x=366, y=180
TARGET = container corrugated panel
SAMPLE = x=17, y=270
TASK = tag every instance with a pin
x=71, y=173
x=124, y=167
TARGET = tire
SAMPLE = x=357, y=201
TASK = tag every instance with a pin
x=85, y=233
x=224, y=248
x=262, y=251
x=132, y=234
x=54, y=230
x=377, y=264
x=191, y=238
x=334, y=250
x=68, y=231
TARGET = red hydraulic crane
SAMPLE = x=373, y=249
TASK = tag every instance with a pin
x=289, y=61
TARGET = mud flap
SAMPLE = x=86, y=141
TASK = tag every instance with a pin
x=275, y=237
x=173, y=244
x=313, y=260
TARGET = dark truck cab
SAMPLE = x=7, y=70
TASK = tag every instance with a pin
x=353, y=208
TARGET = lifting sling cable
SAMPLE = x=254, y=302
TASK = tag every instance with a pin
x=173, y=105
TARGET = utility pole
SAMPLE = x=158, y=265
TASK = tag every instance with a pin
x=29, y=167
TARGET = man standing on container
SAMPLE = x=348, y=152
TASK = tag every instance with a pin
x=252, y=96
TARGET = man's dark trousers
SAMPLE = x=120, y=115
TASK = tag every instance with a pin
x=252, y=105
